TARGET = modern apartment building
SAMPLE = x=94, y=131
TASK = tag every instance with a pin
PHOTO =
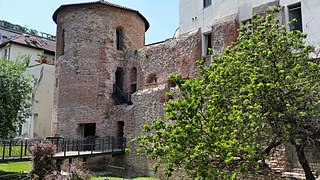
x=41, y=68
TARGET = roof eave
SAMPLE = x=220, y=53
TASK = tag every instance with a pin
x=55, y=14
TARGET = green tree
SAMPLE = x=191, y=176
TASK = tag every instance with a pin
x=15, y=91
x=263, y=91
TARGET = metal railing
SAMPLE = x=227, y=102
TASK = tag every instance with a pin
x=92, y=144
x=121, y=97
x=13, y=150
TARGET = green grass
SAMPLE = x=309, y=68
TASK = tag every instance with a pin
x=19, y=167
x=14, y=170
x=15, y=151
x=15, y=167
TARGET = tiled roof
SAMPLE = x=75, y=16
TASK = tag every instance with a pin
x=54, y=17
x=33, y=42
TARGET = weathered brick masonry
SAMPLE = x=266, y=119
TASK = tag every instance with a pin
x=91, y=61
x=107, y=77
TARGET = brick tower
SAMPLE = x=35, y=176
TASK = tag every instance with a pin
x=91, y=71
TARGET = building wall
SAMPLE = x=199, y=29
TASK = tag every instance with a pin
x=17, y=50
x=42, y=105
x=43, y=102
x=194, y=16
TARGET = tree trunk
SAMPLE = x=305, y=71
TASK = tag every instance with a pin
x=304, y=162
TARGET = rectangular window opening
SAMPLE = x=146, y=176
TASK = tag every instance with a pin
x=207, y=43
x=62, y=42
x=295, y=13
x=206, y=3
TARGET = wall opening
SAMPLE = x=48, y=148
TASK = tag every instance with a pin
x=207, y=43
x=120, y=39
x=134, y=74
x=206, y=3
x=119, y=134
x=295, y=13
x=152, y=78
x=63, y=41
x=118, y=93
x=119, y=78
x=89, y=130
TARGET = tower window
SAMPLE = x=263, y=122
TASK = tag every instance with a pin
x=295, y=13
x=120, y=38
x=62, y=42
x=206, y=3
x=133, y=80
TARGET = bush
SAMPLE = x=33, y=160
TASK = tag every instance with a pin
x=42, y=161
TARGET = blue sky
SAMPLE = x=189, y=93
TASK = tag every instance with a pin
x=163, y=15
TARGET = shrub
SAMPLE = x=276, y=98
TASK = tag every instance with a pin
x=42, y=162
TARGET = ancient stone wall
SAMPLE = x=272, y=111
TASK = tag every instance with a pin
x=176, y=55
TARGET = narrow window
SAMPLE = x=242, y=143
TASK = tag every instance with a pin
x=295, y=13
x=7, y=53
x=62, y=42
x=120, y=39
x=207, y=43
x=206, y=3
x=133, y=80
x=118, y=95
x=119, y=78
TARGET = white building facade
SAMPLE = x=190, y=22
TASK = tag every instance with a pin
x=205, y=14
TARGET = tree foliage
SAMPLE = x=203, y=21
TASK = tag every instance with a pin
x=263, y=91
x=15, y=91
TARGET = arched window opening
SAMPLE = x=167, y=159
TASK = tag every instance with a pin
x=152, y=78
x=120, y=39
x=134, y=79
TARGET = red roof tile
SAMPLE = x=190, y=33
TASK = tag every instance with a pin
x=34, y=42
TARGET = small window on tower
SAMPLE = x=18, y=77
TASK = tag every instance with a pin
x=206, y=3
x=120, y=39
x=62, y=42
x=295, y=13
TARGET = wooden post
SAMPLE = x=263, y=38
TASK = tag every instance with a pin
x=102, y=145
x=70, y=162
x=112, y=143
x=58, y=164
x=65, y=148
x=79, y=147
